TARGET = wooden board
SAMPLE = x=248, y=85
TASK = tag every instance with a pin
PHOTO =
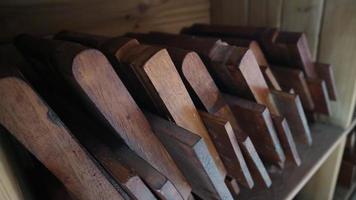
x=305, y=16
x=112, y=17
x=229, y=12
x=335, y=48
x=50, y=146
x=291, y=108
x=286, y=139
x=200, y=169
x=89, y=73
x=294, y=79
x=262, y=132
x=227, y=146
x=327, y=138
x=162, y=83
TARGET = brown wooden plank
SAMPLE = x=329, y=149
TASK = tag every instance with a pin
x=162, y=83
x=88, y=72
x=325, y=72
x=200, y=169
x=286, y=139
x=291, y=108
x=39, y=129
x=241, y=76
x=282, y=48
x=116, y=16
x=294, y=79
x=227, y=146
x=205, y=94
x=261, y=131
x=320, y=95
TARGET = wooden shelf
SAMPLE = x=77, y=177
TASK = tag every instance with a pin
x=288, y=182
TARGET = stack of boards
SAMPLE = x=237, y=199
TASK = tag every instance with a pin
x=198, y=115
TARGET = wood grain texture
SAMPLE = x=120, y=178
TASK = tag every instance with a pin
x=200, y=169
x=237, y=73
x=49, y=140
x=304, y=16
x=89, y=73
x=261, y=131
x=335, y=47
x=207, y=96
x=265, y=13
x=327, y=139
x=291, y=108
x=111, y=18
x=295, y=79
x=286, y=139
x=320, y=96
x=229, y=12
x=161, y=81
x=325, y=72
x=227, y=146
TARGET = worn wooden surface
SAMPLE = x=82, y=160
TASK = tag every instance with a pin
x=224, y=138
x=335, y=47
x=200, y=169
x=286, y=139
x=261, y=131
x=111, y=18
x=54, y=141
x=327, y=139
x=291, y=108
x=93, y=86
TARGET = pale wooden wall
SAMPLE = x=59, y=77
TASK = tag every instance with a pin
x=330, y=26
x=109, y=17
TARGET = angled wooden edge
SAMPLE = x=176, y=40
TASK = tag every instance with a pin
x=255, y=165
x=270, y=78
x=253, y=160
x=291, y=108
x=90, y=76
x=298, y=50
x=43, y=134
x=294, y=79
x=227, y=145
x=193, y=158
x=161, y=81
x=325, y=72
x=234, y=188
x=286, y=139
x=256, y=121
x=162, y=187
x=319, y=95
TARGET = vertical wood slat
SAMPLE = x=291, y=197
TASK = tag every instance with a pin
x=337, y=47
x=265, y=13
x=304, y=16
x=233, y=12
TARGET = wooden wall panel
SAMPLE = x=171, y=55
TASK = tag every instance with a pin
x=265, y=13
x=109, y=17
x=232, y=12
x=337, y=47
x=304, y=16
